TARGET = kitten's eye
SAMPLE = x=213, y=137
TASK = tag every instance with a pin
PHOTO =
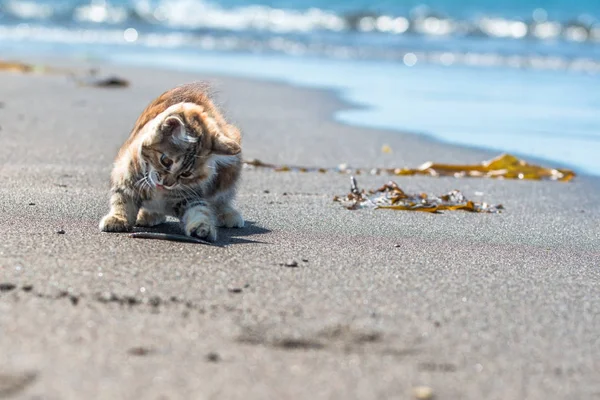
x=186, y=174
x=166, y=161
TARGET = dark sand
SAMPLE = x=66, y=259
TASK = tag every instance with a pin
x=474, y=306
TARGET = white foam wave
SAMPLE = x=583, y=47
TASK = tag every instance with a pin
x=208, y=15
x=200, y=14
x=185, y=40
x=29, y=9
x=100, y=11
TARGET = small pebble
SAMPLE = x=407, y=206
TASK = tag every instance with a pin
x=131, y=300
x=154, y=301
x=266, y=191
x=305, y=260
x=32, y=204
x=213, y=357
x=234, y=289
x=139, y=351
x=291, y=264
x=7, y=287
x=396, y=245
x=285, y=193
x=61, y=232
x=27, y=288
x=423, y=393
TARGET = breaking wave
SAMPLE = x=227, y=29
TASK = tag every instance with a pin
x=199, y=14
x=422, y=35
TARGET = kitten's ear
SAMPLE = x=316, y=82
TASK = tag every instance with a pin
x=225, y=146
x=173, y=126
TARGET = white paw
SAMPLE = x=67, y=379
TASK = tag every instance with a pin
x=113, y=223
x=231, y=218
x=199, y=223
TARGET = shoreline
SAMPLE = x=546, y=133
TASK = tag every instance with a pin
x=338, y=97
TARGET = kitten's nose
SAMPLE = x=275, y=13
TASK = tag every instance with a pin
x=169, y=182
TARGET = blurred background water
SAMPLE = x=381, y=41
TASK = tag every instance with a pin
x=512, y=75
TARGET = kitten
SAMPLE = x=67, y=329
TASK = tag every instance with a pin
x=182, y=159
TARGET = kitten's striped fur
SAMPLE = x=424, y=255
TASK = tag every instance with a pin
x=182, y=159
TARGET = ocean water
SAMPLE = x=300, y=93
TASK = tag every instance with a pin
x=514, y=75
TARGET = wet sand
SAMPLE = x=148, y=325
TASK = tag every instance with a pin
x=472, y=305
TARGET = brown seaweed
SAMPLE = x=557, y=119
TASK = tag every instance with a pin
x=390, y=196
x=89, y=78
x=16, y=66
x=505, y=166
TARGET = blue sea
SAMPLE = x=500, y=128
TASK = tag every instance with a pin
x=521, y=76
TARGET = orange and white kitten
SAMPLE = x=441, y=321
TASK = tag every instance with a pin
x=182, y=159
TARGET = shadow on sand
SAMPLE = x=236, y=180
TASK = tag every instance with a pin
x=227, y=236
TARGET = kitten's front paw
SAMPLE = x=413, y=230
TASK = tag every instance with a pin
x=231, y=218
x=113, y=223
x=201, y=226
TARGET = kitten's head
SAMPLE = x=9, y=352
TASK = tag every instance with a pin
x=182, y=147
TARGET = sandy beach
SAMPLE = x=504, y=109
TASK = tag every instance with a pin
x=473, y=306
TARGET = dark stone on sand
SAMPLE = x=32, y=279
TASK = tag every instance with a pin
x=234, y=289
x=154, y=301
x=109, y=82
x=131, y=300
x=7, y=287
x=61, y=232
x=305, y=260
x=27, y=288
x=298, y=344
x=396, y=245
x=213, y=357
x=139, y=351
x=266, y=191
x=32, y=204
x=291, y=264
x=74, y=300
